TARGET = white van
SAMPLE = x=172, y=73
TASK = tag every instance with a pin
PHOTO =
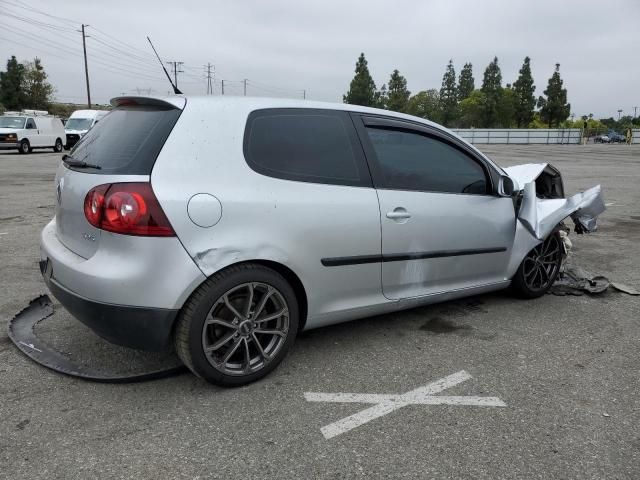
x=79, y=123
x=30, y=129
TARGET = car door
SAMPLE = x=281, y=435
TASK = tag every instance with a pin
x=443, y=227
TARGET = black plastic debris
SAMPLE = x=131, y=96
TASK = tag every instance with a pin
x=577, y=281
x=21, y=333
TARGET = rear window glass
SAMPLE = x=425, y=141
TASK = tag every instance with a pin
x=127, y=140
x=307, y=145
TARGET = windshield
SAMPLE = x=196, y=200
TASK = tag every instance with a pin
x=78, y=124
x=12, y=122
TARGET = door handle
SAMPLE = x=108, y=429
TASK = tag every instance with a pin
x=398, y=213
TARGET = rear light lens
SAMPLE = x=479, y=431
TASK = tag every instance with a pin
x=127, y=208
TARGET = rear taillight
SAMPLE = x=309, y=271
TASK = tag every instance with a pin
x=127, y=208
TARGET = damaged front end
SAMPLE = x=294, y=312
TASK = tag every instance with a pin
x=542, y=204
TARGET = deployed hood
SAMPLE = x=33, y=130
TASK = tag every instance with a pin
x=543, y=204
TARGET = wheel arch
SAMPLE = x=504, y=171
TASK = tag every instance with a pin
x=288, y=274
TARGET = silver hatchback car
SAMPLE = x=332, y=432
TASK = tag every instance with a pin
x=225, y=226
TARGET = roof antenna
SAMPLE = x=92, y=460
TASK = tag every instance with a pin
x=175, y=89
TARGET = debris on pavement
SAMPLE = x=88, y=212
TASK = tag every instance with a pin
x=21, y=333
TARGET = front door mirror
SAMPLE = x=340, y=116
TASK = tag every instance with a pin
x=506, y=187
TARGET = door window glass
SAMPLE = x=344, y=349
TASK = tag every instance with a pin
x=413, y=161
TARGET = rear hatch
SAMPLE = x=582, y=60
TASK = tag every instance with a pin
x=122, y=147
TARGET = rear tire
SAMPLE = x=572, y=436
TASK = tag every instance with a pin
x=58, y=146
x=238, y=325
x=24, y=147
x=539, y=269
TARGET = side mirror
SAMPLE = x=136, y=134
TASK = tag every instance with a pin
x=506, y=187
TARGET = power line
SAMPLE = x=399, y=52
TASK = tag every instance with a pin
x=177, y=68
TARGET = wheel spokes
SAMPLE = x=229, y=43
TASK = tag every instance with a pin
x=220, y=343
x=247, y=309
x=263, y=302
x=245, y=328
x=271, y=316
x=231, y=308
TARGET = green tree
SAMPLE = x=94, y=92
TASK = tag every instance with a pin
x=492, y=89
x=506, y=108
x=362, y=90
x=524, y=99
x=466, y=82
x=449, y=96
x=426, y=104
x=381, y=97
x=398, y=95
x=554, y=109
x=472, y=110
x=37, y=90
x=11, y=83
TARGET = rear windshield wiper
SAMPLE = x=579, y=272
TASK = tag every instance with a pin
x=70, y=161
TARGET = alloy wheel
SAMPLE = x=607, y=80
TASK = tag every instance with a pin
x=245, y=328
x=541, y=265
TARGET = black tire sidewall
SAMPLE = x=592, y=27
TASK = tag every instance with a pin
x=22, y=148
x=58, y=146
x=520, y=286
x=215, y=290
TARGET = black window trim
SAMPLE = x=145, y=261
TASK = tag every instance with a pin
x=364, y=120
x=362, y=165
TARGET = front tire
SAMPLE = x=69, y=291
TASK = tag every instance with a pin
x=539, y=269
x=58, y=146
x=237, y=326
x=24, y=147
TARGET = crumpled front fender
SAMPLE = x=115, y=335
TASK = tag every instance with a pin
x=540, y=216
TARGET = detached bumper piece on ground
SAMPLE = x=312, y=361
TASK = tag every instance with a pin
x=21, y=333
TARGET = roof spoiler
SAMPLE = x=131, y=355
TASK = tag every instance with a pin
x=172, y=102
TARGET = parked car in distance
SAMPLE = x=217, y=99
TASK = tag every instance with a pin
x=615, y=137
x=79, y=123
x=226, y=225
x=29, y=129
x=601, y=139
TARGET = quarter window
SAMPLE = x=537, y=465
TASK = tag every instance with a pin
x=308, y=145
x=414, y=161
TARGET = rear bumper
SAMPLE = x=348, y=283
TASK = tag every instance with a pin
x=128, y=292
x=134, y=327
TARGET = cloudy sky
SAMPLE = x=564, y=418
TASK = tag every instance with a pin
x=284, y=47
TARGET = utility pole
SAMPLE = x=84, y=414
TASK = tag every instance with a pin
x=222, y=87
x=304, y=94
x=176, y=70
x=245, y=86
x=209, y=80
x=635, y=112
x=86, y=68
x=619, y=113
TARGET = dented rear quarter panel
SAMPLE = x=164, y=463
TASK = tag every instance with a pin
x=265, y=218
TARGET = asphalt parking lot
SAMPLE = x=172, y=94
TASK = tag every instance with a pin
x=563, y=372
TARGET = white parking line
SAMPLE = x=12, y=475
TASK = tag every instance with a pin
x=385, y=404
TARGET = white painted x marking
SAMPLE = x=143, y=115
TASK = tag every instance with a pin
x=385, y=404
